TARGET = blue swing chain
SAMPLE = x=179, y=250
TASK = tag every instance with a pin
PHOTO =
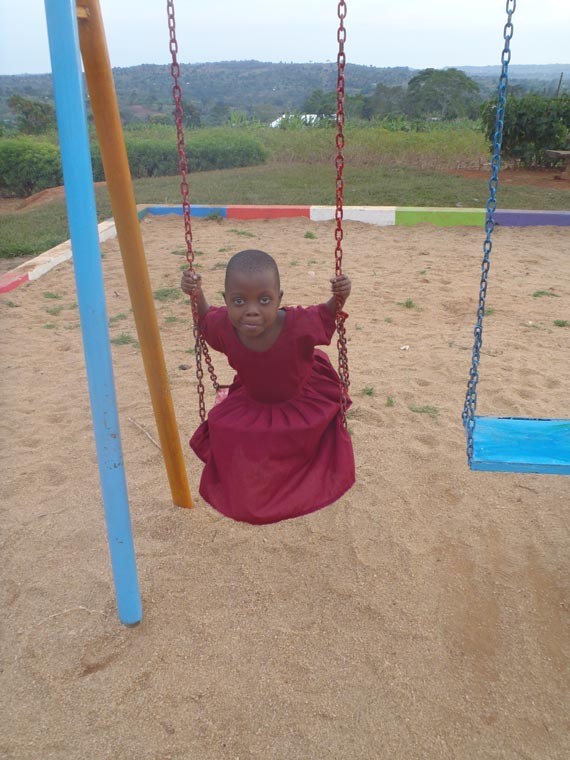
x=469, y=409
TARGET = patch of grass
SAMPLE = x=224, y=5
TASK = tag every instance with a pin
x=124, y=339
x=215, y=216
x=54, y=310
x=561, y=323
x=294, y=263
x=12, y=304
x=49, y=294
x=313, y=261
x=219, y=265
x=39, y=228
x=368, y=391
x=542, y=293
x=388, y=319
x=117, y=318
x=224, y=250
x=390, y=401
x=433, y=411
x=408, y=303
x=243, y=233
x=179, y=252
x=49, y=326
x=310, y=236
x=171, y=319
x=167, y=294
x=490, y=311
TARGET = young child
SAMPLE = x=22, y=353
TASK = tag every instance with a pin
x=276, y=447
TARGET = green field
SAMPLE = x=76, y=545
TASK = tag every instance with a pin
x=384, y=168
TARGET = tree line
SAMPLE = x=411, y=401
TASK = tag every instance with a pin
x=533, y=123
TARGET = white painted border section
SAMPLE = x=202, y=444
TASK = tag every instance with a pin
x=382, y=216
x=62, y=252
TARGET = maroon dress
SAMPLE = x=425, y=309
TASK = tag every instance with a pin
x=275, y=448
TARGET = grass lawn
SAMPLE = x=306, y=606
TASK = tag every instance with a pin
x=39, y=228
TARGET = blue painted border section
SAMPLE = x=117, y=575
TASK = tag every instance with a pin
x=521, y=218
x=82, y=216
x=521, y=444
x=195, y=211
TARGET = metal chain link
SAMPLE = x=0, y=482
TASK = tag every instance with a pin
x=338, y=233
x=470, y=406
x=200, y=346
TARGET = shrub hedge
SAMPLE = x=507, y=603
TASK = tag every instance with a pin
x=27, y=166
x=533, y=124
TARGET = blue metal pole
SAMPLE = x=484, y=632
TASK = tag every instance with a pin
x=81, y=211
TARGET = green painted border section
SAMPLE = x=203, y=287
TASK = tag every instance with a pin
x=442, y=217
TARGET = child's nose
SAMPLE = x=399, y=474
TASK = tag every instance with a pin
x=252, y=307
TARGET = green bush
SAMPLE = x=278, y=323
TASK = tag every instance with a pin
x=28, y=165
x=533, y=124
x=158, y=156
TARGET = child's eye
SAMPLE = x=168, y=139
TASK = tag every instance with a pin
x=265, y=300
x=238, y=301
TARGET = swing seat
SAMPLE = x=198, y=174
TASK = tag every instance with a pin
x=521, y=444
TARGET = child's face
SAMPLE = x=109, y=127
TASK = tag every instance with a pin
x=253, y=301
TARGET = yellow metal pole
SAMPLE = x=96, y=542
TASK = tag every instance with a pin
x=117, y=173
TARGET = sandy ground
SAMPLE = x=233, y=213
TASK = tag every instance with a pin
x=425, y=615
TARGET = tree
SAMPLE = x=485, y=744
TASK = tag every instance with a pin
x=320, y=103
x=442, y=93
x=385, y=101
x=33, y=116
x=219, y=114
x=192, y=117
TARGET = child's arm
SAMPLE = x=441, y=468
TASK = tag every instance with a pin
x=341, y=290
x=191, y=284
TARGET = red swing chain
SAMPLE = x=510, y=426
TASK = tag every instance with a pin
x=201, y=349
x=338, y=233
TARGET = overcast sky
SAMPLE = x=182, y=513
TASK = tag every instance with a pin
x=415, y=33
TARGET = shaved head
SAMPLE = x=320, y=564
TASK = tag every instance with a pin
x=251, y=262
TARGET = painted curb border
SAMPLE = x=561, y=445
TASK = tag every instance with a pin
x=378, y=215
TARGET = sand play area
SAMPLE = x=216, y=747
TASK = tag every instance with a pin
x=423, y=616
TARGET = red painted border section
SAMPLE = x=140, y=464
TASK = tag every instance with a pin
x=267, y=212
x=11, y=280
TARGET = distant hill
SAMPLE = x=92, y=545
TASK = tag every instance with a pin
x=264, y=90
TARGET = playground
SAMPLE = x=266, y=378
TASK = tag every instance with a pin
x=424, y=615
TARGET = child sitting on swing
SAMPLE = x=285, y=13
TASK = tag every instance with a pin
x=276, y=447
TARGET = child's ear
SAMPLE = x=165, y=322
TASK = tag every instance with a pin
x=224, y=297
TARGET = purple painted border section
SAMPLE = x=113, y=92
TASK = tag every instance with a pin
x=516, y=218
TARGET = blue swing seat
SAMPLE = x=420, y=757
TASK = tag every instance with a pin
x=521, y=444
